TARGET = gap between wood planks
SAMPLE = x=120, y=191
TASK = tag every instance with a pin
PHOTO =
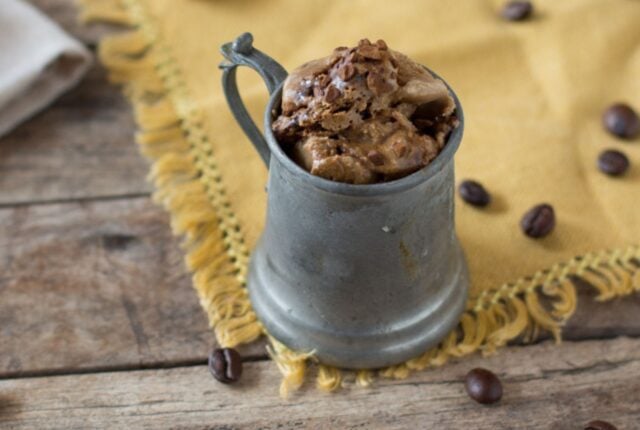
x=122, y=368
x=71, y=200
x=249, y=359
x=545, y=387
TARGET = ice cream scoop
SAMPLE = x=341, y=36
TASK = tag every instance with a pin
x=364, y=114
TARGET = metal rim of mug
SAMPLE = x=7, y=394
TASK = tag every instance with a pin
x=382, y=188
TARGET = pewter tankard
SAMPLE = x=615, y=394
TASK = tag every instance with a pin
x=365, y=276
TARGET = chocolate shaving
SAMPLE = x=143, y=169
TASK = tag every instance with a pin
x=323, y=80
x=400, y=148
x=370, y=52
x=332, y=94
x=375, y=157
x=377, y=83
x=346, y=72
x=348, y=118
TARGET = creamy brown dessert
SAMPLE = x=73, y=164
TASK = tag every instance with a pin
x=364, y=115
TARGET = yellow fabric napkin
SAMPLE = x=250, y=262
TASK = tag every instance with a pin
x=532, y=91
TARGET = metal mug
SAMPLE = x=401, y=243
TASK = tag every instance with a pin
x=365, y=276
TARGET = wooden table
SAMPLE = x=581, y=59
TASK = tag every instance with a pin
x=99, y=326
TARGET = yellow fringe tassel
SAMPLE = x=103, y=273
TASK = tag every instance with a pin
x=292, y=365
x=329, y=378
x=364, y=378
x=189, y=185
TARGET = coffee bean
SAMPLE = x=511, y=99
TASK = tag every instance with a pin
x=613, y=163
x=517, y=10
x=600, y=425
x=483, y=386
x=474, y=193
x=538, y=221
x=622, y=121
x=225, y=365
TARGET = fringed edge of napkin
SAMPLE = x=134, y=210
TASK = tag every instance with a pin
x=189, y=185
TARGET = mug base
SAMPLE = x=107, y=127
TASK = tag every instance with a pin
x=374, y=348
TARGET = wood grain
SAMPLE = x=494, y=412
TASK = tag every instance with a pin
x=545, y=387
x=603, y=320
x=95, y=285
x=81, y=147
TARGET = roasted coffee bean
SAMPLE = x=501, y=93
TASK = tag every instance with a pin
x=517, y=10
x=600, y=425
x=483, y=386
x=613, y=163
x=474, y=193
x=622, y=121
x=538, y=221
x=225, y=365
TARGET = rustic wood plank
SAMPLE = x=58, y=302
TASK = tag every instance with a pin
x=545, y=387
x=101, y=284
x=96, y=285
x=65, y=13
x=80, y=147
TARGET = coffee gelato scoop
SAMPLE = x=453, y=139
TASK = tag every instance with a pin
x=364, y=115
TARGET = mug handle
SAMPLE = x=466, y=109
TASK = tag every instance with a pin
x=241, y=52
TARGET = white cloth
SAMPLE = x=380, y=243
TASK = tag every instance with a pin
x=38, y=62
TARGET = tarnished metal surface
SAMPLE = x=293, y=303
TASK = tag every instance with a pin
x=365, y=275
